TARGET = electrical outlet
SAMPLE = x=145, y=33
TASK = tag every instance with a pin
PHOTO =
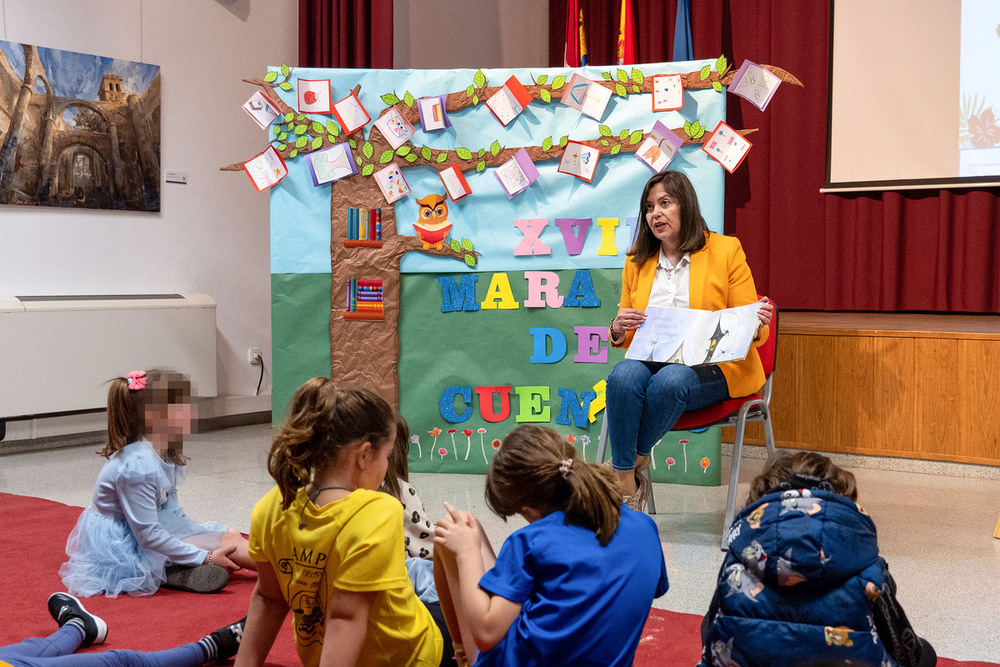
x=253, y=356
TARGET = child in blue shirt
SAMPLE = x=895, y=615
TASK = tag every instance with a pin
x=574, y=586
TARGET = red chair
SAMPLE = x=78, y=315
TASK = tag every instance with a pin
x=730, y=412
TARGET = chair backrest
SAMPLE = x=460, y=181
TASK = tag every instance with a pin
x=768, y=349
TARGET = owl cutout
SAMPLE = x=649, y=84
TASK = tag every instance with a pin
x=432, y=225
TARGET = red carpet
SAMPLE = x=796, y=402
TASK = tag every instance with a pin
x=34, y=535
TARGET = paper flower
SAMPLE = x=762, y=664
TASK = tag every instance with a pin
x=452, y=432
x=482, y=446
x=136, y=380
x=670, y=462
x=434, y=433
x=652, y=459
x=571, y=438
x=468, y=435
x=442, y=451
x=984, y=129
x=415, y=439
x=585, y=440
x=705, y=463
x=496, y=443
x=684, y=445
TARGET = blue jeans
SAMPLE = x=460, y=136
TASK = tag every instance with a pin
x=645, y=399
x=57, y=650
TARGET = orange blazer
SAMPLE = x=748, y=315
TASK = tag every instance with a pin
x=719, y=277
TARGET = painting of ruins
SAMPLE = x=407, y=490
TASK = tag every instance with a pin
x=77, y=130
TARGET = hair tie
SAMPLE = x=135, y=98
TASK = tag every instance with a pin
x=136, y=380
x=564, y=468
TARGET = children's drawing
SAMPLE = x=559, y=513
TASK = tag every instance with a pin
x=265, y=169
x=351, y=114
x=576, y=92
x=454, y=182
x=580, y=160
x=726, y=146
x=433, y=116
x=396, y=129
x=668, y=92
x=315, y=96
x=260, y=110
x=658, y=149
x=754, y=84
x=391, y=182
x=509, y=101
x=331, y=164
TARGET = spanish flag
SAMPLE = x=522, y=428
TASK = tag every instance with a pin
x=575, y=54
x=627, y=50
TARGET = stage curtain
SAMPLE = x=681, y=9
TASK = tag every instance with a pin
x=345, y=33
x=922, y=250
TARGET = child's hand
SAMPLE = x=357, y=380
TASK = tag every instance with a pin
x=457, y=531
x=221, y=557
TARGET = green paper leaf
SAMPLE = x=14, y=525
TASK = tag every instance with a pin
x=300, y=117
x=470, y=260
x=481, y=153
x=282, y=136
x=706, y=72
x=353, y=143
x=332, y=128
x=467, y=244
x=558, y=82
x=403, y=151
x=289, y=116
x=606, y=75
x=463, y=153
x=290, y=126
x=542, y=79
x=546, y=143
x=637, y=76
x=699, y=133
x=615, y=150
x=442, y=156
x=475, y=100
x=687, y=128
x=285, y=71
x=622, y=75
x=716, y=86
x=695, y=126
x=635, y=137
x=292, y=154
x=564, y=141
x=367, y=150
x=720, y=64
x=390, y=98
x=332, y=139
x=620, y=90
x=386, y=156
x=481, y=166
x=282, y=147
x=494, y=147
x=317, y=127
x=604, y=142
x=545, y=95
x=285, y=86
x=300, y=129
x=623, y=134
x=301, y=142
x=367, y=170
x=455, y=245
x=412, y=157
x=470, y=90
x=408, y=99
x=604, y=130
x=479, y=78
x=317, y=143
x=358, y=160
x=636, y=89
x=270, y=77
x=425, y=153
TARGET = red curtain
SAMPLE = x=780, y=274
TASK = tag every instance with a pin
x=925, y=250
x=345, y=33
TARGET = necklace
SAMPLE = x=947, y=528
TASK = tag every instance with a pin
x=312, y=498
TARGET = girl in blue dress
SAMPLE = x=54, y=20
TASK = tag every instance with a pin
x=135, y=536
x=573, y=587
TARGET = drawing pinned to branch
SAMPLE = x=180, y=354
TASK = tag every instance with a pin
x=395, y=128
x=659, y=148
x=351, y=113
x=509, y=101
x=754, y=84
x=726, y=146
x=265, y=169
x=315, y=96
x=331, y=164
x=516, y=174
x=433, y=116
x=391, y=182
x=588, y=97
x=579, y=160
x=260, y=109
x=454, y=182
x=668, y=92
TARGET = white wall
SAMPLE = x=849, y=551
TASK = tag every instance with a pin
x=211, y=235
x=442, y=34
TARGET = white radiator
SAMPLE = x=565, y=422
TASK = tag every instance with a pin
x=56, y=352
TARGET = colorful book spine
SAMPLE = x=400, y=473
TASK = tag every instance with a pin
x=364, y=296
x=378, y=224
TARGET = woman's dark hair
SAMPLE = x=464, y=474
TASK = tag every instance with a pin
x=127, y=409
x=323, y=420
x=783, y=465
x=399, y=460
x=693, y=227
x=531, y=470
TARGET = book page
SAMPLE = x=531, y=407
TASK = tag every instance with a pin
x=694, y=337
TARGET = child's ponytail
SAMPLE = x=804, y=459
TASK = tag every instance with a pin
x=537, y=468
x=322, y=420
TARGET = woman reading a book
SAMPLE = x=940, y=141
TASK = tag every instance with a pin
x=675, y=262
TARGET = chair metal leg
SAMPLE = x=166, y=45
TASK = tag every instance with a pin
x=602, y=439
x=734, y=478
x=768, y=431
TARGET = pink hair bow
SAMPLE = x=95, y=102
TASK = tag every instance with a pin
x=136, y=380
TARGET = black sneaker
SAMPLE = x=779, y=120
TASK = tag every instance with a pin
x=64, y=607
x=227, y=639
x=203, y=578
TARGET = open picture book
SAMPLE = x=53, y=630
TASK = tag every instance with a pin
x=694, y=337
